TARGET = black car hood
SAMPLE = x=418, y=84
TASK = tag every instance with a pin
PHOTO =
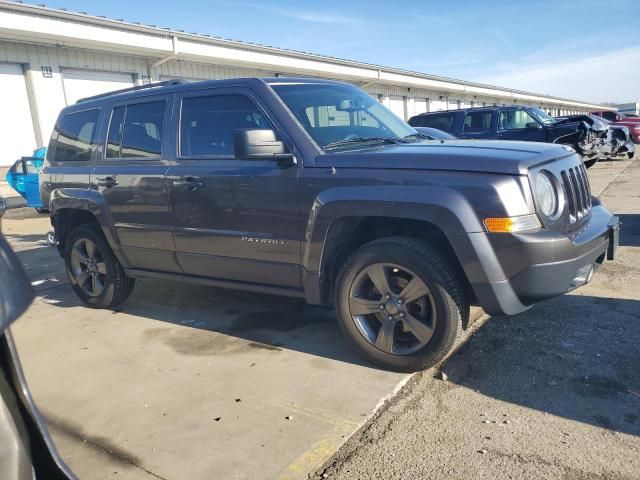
x=596, y=123
x=482, y=156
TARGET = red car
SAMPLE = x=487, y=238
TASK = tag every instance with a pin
x=617, y=118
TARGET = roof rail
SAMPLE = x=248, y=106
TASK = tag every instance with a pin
x=165, y=83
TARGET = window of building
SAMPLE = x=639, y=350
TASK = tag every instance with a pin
x=477, y=121
x=76, y=136
x=208, y=123
x=135, y=131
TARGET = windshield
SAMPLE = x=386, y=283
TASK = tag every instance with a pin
x=342, y=117
x=543, y=116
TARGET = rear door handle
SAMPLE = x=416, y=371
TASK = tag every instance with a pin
x=107, y=182
x=190, y=183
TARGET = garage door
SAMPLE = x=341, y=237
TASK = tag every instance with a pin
x=85, y=83
x=396, y=105
x=17, y=138
x=420, y=105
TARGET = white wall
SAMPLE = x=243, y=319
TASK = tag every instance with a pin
x=48, y=95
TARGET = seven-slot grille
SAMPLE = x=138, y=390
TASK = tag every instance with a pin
x=577, y=191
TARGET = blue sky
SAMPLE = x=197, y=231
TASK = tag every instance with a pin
x=587, y=49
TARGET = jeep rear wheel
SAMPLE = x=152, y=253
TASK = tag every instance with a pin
x=95, y=274
x=400, y=303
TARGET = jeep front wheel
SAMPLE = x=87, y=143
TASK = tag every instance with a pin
x=400, y=303
x=95, y=274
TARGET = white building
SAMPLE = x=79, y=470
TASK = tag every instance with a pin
x=632, y=108
x=50, y=58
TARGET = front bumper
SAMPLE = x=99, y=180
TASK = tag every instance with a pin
x=510, y=272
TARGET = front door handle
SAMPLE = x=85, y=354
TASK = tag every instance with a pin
x=107, y=182
x=190, y=183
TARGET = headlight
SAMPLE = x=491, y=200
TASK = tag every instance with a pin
x=546, y=195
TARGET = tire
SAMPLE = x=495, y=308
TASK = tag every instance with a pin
x=109, y=275
x=440, y=313
x=590, y=163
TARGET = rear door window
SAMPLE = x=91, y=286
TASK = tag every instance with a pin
x=76, y=136
x=441, y=121
x=135, y=131
x=477, y=121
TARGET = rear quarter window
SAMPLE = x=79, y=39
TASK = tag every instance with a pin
x=75, y=136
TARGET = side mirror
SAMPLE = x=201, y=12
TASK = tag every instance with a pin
x=260, y=144
x=534, y=126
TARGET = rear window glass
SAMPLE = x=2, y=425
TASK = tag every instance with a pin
x=477, y=121
x=441, y=121
x=135, y=131
x=76, y=136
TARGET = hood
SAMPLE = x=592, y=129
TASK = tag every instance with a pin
x=596, y=123
x=504, y=157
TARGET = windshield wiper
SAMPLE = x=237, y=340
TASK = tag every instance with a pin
x=350, y=141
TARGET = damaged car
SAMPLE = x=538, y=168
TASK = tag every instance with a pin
x=583, y=133
x=618, y=144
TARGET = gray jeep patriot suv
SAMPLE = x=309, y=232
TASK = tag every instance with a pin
x=311, y=188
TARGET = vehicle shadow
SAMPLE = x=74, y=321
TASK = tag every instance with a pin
x=575, y=357
x=629, y=229
x=258, y=321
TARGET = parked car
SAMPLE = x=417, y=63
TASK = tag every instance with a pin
x=518, y=123
x=617, y=118
x=26, y=449
x=618, y=143
x=311, y=188
x=434, y=134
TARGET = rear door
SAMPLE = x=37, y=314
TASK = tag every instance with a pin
x=234, y=218
x=518, y=124
x=478, y=124
x=130, y=174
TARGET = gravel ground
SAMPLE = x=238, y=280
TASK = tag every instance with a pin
x=550, y=393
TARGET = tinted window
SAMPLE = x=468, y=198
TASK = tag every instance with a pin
x=611, y=116
x=142, y=131
x=207, y=123
x=441, y=121
x=114, y=137
x=477, y=121
x=76, y=136
x=135, y=131
x=514, y=120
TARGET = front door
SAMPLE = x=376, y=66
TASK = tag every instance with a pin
x=234, y=218
x=518, y=124
x=130, y=175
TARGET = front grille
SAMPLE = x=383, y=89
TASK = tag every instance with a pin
x=577, y=191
